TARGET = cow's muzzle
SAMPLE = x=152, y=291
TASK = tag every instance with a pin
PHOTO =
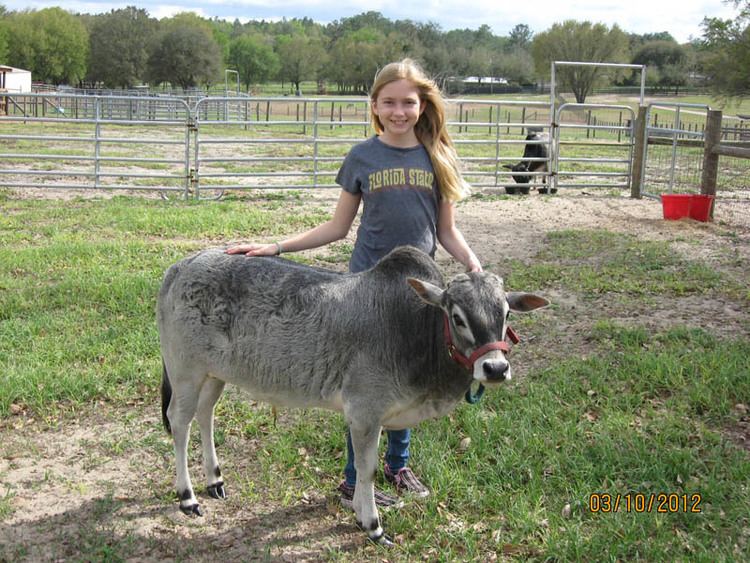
x=494, y=367
x=496, y=370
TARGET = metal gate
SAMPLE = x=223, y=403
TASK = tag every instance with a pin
x=673, y=148
x=592, y=146
x=104, y=142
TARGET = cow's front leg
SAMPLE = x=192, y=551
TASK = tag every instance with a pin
x=365, y=440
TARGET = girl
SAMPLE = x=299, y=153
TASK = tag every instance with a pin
x=408, y=178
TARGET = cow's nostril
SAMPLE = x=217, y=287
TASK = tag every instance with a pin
x=495, y=369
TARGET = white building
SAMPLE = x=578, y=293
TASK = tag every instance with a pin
x=15, y=80
x=484, y=80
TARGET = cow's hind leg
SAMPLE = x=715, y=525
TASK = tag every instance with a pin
x=180, y=412
x=209, y=394
x=365, y=439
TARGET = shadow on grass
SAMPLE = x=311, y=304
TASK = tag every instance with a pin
x=113, y=529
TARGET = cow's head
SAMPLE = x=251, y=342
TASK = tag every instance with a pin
x=477, y=308
x=522, y=166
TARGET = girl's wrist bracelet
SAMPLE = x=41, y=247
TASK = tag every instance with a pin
x=278, y=248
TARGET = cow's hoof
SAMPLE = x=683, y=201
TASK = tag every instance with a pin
x=217, y=491
x=383, y=541
x=524, y=191
x=192, y=510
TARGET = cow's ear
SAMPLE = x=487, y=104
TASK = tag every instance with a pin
x=525, y=302
x=429, y=293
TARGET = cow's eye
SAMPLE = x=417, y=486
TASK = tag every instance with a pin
x=458, y=321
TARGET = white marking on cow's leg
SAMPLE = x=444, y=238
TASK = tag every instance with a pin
x=365, y=440
x=209, y=394
x=180, y=413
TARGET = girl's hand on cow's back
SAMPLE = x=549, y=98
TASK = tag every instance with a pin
x=473, y=265
x=254, y=249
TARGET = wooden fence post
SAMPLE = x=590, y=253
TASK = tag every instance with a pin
x=711, y=138
x=636, y=173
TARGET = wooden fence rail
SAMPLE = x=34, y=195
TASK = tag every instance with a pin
x=713, y=148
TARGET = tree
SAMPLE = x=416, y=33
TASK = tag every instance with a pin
x=253, y=58
x=726, y=54
x=3, y=41
x=356, y=57
x=579, y=42
x=119, y=43
x=431, y=50
x=366, y=20
x=480, y=62
x=520, y=36
x=666, y=63
x=301, y=58
x=51, y=43
x=516, y=66
x=185, y=56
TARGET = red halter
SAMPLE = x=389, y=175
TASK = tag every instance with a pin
x=468, y=363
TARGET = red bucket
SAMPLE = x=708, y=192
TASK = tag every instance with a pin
x=700, y=207
x=676, y=206
x=679, y=206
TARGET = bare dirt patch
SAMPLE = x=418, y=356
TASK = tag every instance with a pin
x=72, y=490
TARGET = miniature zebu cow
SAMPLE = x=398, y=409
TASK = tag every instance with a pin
x=535, y=159
x=363, y=344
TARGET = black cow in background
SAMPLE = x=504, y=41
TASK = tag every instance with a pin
x=532, y=152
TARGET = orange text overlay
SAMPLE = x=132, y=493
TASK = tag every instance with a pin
x=659, y=503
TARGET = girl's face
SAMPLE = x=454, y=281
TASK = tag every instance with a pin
x=398, y=108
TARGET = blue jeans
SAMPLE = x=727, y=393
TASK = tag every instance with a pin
x=396, y=456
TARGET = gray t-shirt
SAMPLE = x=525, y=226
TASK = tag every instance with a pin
x=400, y=198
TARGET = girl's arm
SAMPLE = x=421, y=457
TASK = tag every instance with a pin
x=453, y=240
x=335, y=229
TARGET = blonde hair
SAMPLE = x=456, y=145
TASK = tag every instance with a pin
x=431, y=128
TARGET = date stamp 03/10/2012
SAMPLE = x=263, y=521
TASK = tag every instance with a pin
x=645, y=503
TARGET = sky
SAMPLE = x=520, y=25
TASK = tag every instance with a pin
x=681, y=18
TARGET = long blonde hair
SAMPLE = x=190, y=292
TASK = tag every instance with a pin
x=431, y=129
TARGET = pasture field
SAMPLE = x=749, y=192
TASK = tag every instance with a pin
x=625, y=434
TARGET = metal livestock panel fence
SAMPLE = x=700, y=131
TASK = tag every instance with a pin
x=673, y=148
x=233, y=143
x=287, y=142
x=673, y=151
x=300, y=143
x=97, y=149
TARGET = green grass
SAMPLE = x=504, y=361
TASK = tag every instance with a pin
x=645, y=416
x=641, y=412
x=596, y=262
x=77, y=287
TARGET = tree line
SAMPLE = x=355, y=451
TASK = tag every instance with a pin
x=127, y=47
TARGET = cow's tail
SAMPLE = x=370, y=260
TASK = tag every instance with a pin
x=166, y=397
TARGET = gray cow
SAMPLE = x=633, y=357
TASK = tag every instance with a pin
x=371, y=345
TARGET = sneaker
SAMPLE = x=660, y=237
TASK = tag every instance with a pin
x=406, y=482
x=382, y=500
